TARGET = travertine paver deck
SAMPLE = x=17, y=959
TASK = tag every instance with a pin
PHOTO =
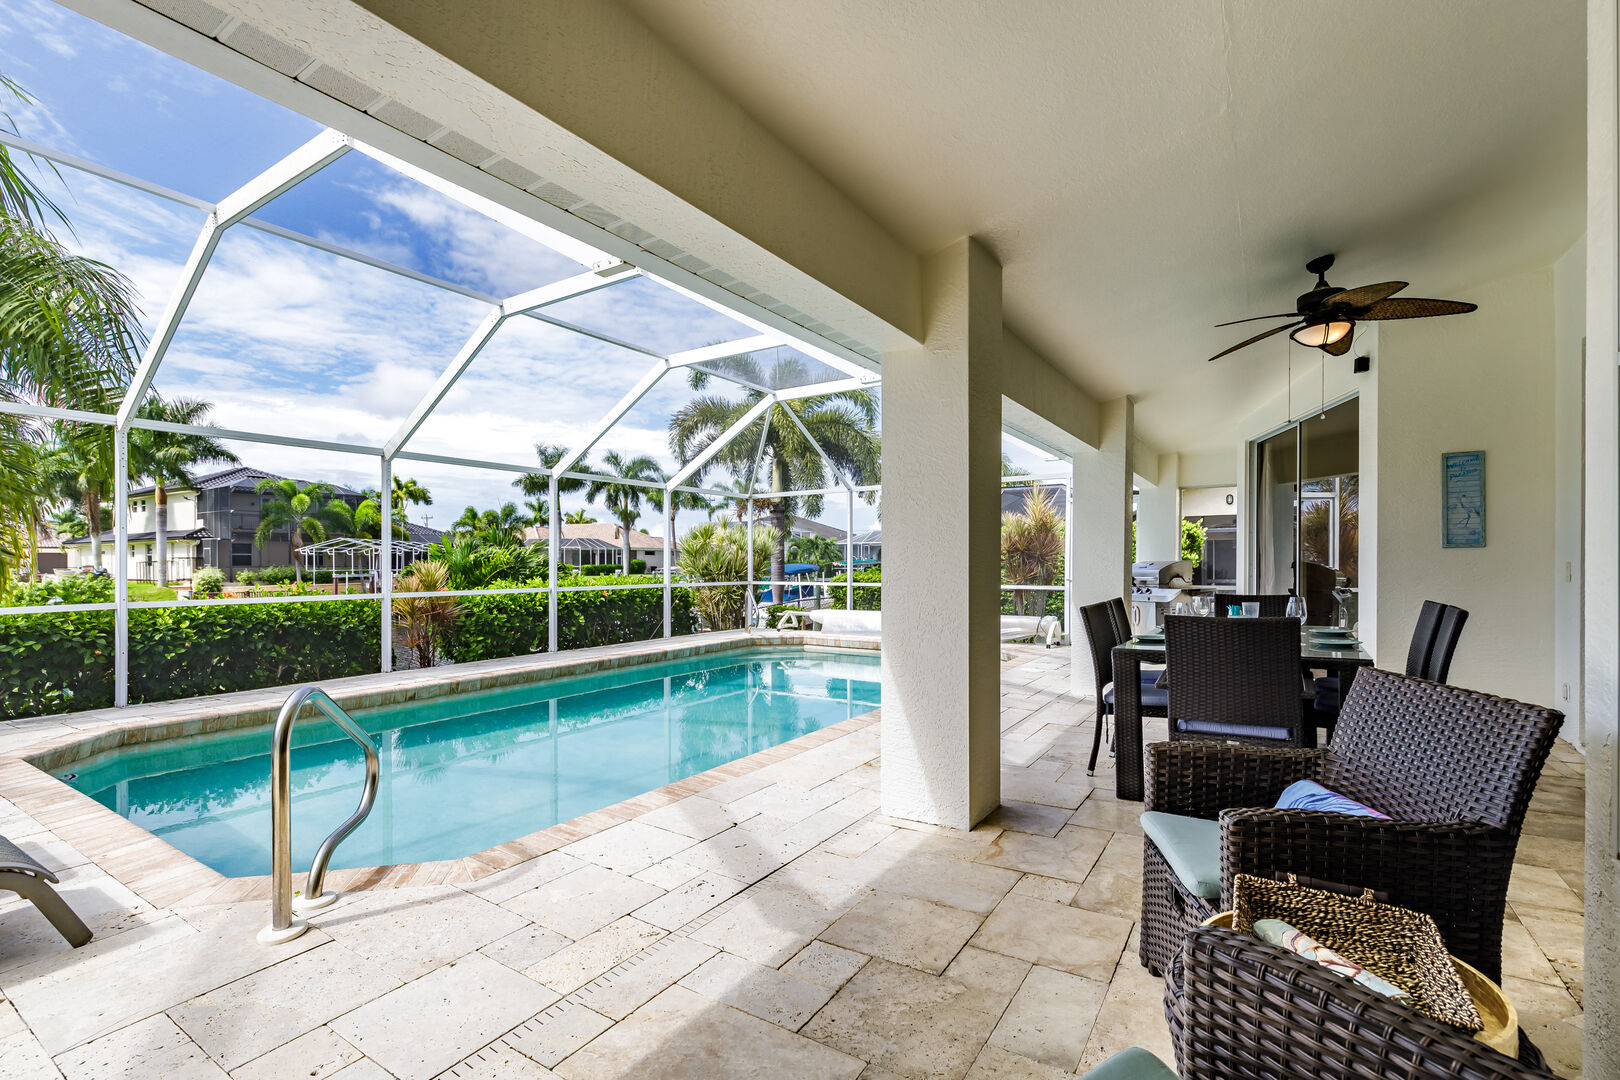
x=774, y=923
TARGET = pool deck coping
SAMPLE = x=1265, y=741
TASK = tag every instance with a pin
x=32, y=749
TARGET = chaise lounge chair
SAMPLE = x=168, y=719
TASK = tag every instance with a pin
x=31, y=881
x=1047, y=628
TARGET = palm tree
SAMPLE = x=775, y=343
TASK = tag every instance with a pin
x=537, y=486
x=166, y=457
x=67, y=520
x=69, y=336
x=368, y=518
x=407, y=490
x=1032, y=548
x=578, y=517
x=313, y=511
x=843, y=423
x=502, y=527
x=77, y=467
x=539, y=511
x=623, y=501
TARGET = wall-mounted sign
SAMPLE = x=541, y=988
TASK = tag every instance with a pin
x=1462, y=499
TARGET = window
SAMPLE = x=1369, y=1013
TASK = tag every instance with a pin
x=1306, y=512
x=241, y=554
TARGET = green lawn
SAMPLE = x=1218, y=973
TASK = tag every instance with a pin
x=141, y=591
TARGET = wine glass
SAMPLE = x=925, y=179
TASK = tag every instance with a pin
x=1203, y=605
x=1296, y=608
x=1179, y=608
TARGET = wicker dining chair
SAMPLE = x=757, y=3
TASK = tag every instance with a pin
x=1236, y=681
x=1434, y=643
x=1454, y=769
x=1238, y=1007
x=1102, y=622
x=1272, y=605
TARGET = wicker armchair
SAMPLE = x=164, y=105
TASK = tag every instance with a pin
x=1453, y=768
x=1238, y=1007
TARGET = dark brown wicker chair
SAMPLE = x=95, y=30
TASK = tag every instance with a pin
x=1434, y=643
x=1453, y=768
x=1238, y=1007
x=1106, y=626
x=1272, y=606
x=1236, y=681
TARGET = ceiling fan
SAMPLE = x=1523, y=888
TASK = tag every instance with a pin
x=1325, y=316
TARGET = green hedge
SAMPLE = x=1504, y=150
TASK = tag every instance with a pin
x=62, y=662
x=489, y=627
x=865, y=599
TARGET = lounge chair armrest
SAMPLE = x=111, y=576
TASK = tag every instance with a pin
x=1200, y=779
x=1456, y=871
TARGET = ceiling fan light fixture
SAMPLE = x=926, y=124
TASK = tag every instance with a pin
x=1315, y=335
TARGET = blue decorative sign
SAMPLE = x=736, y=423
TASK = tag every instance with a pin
x=1462, y=502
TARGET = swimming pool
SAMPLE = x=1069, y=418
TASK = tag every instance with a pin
x=466, y=772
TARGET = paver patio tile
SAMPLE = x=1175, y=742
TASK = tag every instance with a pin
x=1029, y=818
x=693, y=816
x=1552, y=1019
x=667, y=873
x=893, y=868
x=557, y=1032
x=1053, y=890
x=907, y=1021
x=497, y=1062
x=502, y=886
x=774, y=919
x=1542, y=887
x=767, y=993
x=106, y=906
x=244, y=1019
x=686, y=902
x=825, y=964
x=22, y=1058
x=525, y=947
x=113, y=981
x=790, y=803
x=1056, y=935
x=428, y=1025
x=412, y=931
x=364, y=1069
x=1104, y=812
x=682, y=1035
x=584, y=901
x=629, y=846
x=1132, y=1014
x=1069, y=855
x=1050, y=1018
x=904, y=929
x=994, y=1063
x=998, y=977
x=619, y=991
x=572, y=966
x=314, y=1055
x=154, y=1047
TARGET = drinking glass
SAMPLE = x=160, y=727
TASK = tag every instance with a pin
x=1179, y=608
x=1296, y=608
x=1251, y=609
x=1203, y=605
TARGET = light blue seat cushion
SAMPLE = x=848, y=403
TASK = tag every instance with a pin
x=1131, y=1064
x=1246, y=731
x=1192, y=847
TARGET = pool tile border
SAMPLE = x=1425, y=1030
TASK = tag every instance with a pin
x=32, y=750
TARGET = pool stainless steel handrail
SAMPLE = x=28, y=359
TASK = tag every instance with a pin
x=283, y=926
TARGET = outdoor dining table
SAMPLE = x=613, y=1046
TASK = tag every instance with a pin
x=1128, y=660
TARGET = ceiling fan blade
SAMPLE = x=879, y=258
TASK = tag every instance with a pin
x=1257, y=318
x=1416, y=307
x=1257, y=337
x=1340, y=347
x=1365, y=294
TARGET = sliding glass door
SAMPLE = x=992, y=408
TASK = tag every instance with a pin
x=1306, y=503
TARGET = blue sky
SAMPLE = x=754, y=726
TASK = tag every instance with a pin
x=287, y=339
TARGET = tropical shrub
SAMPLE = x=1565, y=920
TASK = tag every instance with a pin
x=208, y=583
x=425, y=620
x=1032, y=549
x=69, y=589
x=715, y=551
x=865, y=599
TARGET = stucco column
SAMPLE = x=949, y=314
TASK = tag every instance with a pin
x=941, y=755
x=1102, y=524
x=1158, y=515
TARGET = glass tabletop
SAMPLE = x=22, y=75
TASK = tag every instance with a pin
x=1311, y=647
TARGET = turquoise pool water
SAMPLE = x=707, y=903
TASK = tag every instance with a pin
x=467, y=772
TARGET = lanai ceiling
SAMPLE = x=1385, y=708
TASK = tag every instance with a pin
x=1145, y=170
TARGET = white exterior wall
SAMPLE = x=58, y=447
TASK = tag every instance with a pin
x=1601, y=1050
